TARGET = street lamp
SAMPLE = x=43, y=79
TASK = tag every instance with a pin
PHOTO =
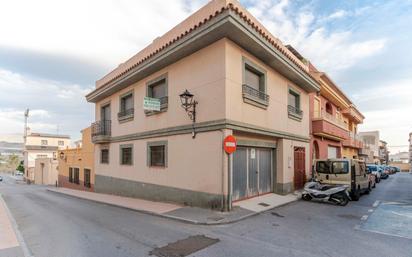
x=189, y=104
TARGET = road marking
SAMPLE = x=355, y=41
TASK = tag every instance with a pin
x=23, y=245
x=370, y=210
x=402, y=214
x=364, y=217
x=376, y=203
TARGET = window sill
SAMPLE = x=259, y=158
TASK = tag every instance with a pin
x=255, y=101
x=125, y=118
x=295, y=116
x=123, y=164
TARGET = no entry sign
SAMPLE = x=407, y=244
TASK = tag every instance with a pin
x=229, y=144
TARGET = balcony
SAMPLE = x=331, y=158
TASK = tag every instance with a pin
x=255, y=97
x=353, y=141
x=294, y=113
x=126, y=115
x=101, y=131
x=328, y=126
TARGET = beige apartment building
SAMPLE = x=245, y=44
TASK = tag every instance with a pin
x=371, y=146
x=245, y=83
x=40, y=146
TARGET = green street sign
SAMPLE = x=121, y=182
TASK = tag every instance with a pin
x=151, y=104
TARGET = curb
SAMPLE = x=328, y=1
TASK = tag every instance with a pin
x=184, y=220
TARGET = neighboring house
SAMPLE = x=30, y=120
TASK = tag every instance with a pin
x=370, y=149
x=383, y=152
x=246, y=84
x=76, y=165
x=402, y=157
x=334, y=119
x=41, y=145
x=45, y=171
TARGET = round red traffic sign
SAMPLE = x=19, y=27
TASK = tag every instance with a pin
x=229, y=144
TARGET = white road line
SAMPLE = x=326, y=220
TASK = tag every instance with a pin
x=364, y=217
x=23, y=245
x=370, y=210
x=376, y=203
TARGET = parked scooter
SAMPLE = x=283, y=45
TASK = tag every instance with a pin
x=335, y=194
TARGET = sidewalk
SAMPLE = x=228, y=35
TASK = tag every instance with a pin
x=9, y=240
x=193, y=215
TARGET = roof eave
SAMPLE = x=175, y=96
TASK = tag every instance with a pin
x=227, y=24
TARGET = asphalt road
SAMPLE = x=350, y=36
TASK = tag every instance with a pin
x=60, y=226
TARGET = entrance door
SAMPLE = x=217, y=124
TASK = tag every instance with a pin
x=299, y=178
x=252, y=172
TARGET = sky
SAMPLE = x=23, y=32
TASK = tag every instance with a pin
x=52, y=52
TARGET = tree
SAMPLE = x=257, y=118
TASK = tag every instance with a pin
x=20, y=167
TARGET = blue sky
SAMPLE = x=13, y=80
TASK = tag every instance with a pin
x=51, y=53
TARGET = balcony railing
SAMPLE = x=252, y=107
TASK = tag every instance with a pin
x=102, y=128
x=295, y=111
x=126, y=113
x=255, y=95
x=353, y=141
x=329, y=117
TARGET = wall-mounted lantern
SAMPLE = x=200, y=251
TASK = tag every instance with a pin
x=189, y=104
x=61, y=155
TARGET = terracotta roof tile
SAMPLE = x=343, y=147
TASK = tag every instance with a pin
x=193, y=22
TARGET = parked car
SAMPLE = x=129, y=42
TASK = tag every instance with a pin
x=374, y=169
x=350, y=172
x=384, y=175
x=397, y=169
x=1, y=178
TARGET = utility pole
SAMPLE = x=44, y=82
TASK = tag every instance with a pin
x=26, y=117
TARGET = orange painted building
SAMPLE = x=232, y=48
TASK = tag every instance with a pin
x=76, y=165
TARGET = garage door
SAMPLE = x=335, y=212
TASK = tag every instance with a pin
x=252, y=172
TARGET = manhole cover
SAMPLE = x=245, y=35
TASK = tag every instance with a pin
x=184, y=247
x=264, y=204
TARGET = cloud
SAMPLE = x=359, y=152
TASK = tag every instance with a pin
x=329, y=50
x=338, y=14
x=52, y=104
x=105, y=31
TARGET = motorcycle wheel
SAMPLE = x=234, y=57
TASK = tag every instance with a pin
x=306, y=197
x=340, y=199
